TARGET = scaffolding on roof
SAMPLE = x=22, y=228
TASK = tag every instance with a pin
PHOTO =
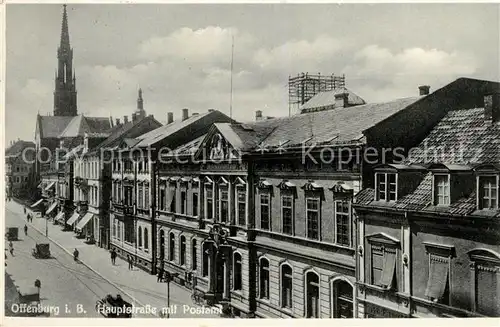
x=304, y=86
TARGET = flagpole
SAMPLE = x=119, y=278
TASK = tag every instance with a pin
x=231, y=93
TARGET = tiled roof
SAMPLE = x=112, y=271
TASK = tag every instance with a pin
x=465, y=137
x=80, y=125
x=327, y=99
x=335, y=126
x=53, y=126
x=162, y=132
x=188, y=148
x=18, y=147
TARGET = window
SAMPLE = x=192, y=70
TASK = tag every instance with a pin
x=209, y=196
x=485, y=282
x=194, y=254
x=287, y=214
x=173, y=203
x=183, y=202
x=386, y=186
x=140, y=198
x=172, y=247
x=488, y=188
x=162, y=244
x=114, y=228
x=119, y=230
x=140, y=236
x=224, y=207
x=242, y=205
x=383, y=264
x=342, y=300
x=146, y=197
x=441, y=190
x=206, y=258
x=438, y=282
x=182, y=259
x=195, y=204
x=128, y=196
x=129, y=231
x=162, y=199
x=312, y=212
x=264, y=211
x=286, y=286
x=264, y=279
x=146, y=239
x=312, y=295
x=343, y=223
x=237, y=271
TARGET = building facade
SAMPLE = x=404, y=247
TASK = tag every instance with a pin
x=19, y=177
x=428, y=230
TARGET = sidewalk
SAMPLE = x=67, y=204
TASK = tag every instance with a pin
x=137, y=283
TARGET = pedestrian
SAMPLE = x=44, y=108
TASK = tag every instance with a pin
x=130, y=262
x=25, y=209
x=25, y=230
x=11, y=248
x=113, y=256
x=75, y=254
x=160, y=272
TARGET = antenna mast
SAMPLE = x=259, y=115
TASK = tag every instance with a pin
x=231, y=93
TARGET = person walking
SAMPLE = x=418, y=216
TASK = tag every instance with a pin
x=75, y=255
x=130, y=262
x=113, y=256
x=25, y=230
x=11, y=248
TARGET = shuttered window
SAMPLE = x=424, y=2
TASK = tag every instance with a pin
x=383, y=265
x=438, y=283
x=487, y=292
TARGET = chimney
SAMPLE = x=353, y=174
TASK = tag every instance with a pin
x=342, y=100
x=258, y=115
x=492, y=107
x=211, y=110
x=125, y=119
x=170, y=117
x=195, y=114
x=117, y=121
x=185, y=114
x=424, y=89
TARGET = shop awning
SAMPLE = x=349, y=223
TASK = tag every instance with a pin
x=60, y=216
x=50, y=186
x=51, y=208
x=37, y=203
x=73, y=218
x=84, y=220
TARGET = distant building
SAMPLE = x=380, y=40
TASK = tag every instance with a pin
x=428, y=228
x=19, y=164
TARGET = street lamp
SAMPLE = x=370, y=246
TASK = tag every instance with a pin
x=168, y=278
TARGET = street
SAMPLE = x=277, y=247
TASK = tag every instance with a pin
x=74, y=288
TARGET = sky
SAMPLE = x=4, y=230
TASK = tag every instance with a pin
x=180, y=54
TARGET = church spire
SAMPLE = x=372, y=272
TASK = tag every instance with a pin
x=65, y=90
x=140, y=112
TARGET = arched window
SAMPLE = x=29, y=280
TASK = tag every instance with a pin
x=146, y=239
x=162, y=244
x=172, y=247
x=312, y=295
x=342, y=299
x=194, y=255
x=237, y=271
x=182, y=260
x=264, y=278
x=286, y=286
x=206, y=258
x=139, y=233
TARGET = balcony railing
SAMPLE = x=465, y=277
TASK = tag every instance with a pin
x=123, y=208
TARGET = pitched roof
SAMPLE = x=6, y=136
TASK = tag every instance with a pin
x=188, y=148
x=81, y=124
x=464, y=136
x=18, y=147
x=52, y=126
x=327, y=99
x=162, y=132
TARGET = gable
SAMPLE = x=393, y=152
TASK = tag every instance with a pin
x=217, y=147
x=382, y=238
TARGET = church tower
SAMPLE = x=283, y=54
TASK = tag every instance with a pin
x=65, y=81
x=140, y=112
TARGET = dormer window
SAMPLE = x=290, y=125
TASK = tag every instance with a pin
x=442, y=190
x=386, y=186
x=488, y=192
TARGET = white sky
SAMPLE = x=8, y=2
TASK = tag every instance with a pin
x=180, y=54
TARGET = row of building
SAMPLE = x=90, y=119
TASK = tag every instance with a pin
x=346, y=209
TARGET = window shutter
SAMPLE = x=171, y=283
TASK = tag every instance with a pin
x=438, y=277
x=487, y=291
x=170, y=197
x=389, y=267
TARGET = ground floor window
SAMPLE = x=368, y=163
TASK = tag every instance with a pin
x=342, y=300
x=312, y=295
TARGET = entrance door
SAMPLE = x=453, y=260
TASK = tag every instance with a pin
x=219, y=275
x=343, y=300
